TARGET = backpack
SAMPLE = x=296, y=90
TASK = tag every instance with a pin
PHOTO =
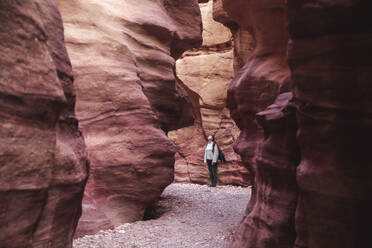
x=221, y=155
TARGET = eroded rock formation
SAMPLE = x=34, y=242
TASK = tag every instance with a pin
x=206, y=72
x=123, y=54
x=265, y=73
x=332, y=73
x=242, y=38
x=43, y=166
x=270, y=220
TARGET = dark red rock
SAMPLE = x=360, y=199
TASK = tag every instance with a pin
x=329, y=55
x=270, y=220
x=264, y=75
x=43, y=166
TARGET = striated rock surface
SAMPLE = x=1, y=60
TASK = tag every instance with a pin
x=264, y=75
x=207, y=72
x=270, y=221
x=43, y=166
x=331, y=73
x=243, y=41
x=123, y=54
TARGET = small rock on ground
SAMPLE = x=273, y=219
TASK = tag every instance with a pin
x=195, y=216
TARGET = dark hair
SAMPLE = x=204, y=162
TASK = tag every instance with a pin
x=214, y=143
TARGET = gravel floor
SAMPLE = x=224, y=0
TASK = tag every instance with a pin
x=190, y=216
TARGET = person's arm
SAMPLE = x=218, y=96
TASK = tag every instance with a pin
x=215, y=154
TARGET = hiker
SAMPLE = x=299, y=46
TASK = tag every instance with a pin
x=210, y=157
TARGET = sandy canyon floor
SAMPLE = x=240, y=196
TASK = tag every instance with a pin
x=187, y=215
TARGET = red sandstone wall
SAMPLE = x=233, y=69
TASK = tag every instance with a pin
x=330, y=78
x=264, y=75
x=270, y=218
x=329, y=55
x=123, y=54
x=43, y=166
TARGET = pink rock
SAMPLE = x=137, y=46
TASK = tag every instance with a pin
x=265, y=74
x=123, y=54
x=269, y=219
x=43, y=166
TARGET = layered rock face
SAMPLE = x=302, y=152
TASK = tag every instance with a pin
x=123, y=54
x=43, y=166
x=243, y=40
x=264, y=75
x=206, y=72
x=331, y=74
x=270, y=221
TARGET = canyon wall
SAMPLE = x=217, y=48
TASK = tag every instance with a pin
x=270, y=220
x=43, y=166
x=326, y=171
x=265, y=73
x=331, y=75
x=206, y=72
x=123, y=55
x=243, y=41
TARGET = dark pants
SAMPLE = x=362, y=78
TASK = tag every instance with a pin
x=212, y=173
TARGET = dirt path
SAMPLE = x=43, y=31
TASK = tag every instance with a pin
x=191, y=216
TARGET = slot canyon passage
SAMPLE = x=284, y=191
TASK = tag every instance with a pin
x=103, y=104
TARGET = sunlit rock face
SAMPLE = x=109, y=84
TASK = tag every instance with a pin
x=206, y=72
x=329, y=55
x=243, y=41
x=43, y=166
x=123, y=55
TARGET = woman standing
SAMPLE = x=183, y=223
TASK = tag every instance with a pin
x=210, y=157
